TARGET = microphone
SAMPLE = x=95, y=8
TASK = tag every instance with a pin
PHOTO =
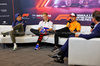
x=70, y=21
x=92, y=25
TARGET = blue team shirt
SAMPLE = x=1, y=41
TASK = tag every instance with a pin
x=17, y=22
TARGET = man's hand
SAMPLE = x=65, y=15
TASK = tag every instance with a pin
x=76, y=35
x=39, y=29
x=22, y=23
x=68, y=26
x=49, y=29
x=91, y=30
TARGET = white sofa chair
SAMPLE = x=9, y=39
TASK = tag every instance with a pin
x=84, y=52
x=28, y=37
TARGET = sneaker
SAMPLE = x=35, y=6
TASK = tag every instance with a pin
x=5, y=33
x=54, y=56
x=37, y=47
x=55, y=49
x=59, y=60
x=15, y=48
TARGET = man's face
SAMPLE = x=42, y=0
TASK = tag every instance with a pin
x=44, y=17
x=19, y=18
x=73, y=18
x=94, y=20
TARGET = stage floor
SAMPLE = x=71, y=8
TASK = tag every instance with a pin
x=27, y=56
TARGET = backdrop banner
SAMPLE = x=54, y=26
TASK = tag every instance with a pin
x=59, y=10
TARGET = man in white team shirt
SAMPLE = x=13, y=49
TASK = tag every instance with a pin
x=45, y=28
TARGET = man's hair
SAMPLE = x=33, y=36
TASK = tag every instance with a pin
x=45, y=14
x=96, y=15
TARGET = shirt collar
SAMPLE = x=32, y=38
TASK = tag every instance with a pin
x=18, y=21
x=47, y=21
x=74, y=22
x=96, y=25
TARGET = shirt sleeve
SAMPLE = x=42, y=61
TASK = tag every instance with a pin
x=67, y=24
x=51, y=25
x=13, y=24
x=94, y=34
x=24, y=23
x=40, y=24
x=78, y=27
x=88, y=36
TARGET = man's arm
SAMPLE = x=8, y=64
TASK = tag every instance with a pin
x=95, y=33
x=24, y=23
x=78, y=28
x=76, y=31
x=68, y=25
x=88, y=36
x=39, y=29
x=13, y=24
x=50, y=27
x=40, y=25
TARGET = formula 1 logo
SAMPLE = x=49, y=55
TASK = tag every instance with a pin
x=25, y=16
x=63, y=16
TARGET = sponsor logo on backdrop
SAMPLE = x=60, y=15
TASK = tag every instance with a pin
x=3, y=3
x=63, y=16
x=4, y=23
x=3, y=10
x=4, y=15
x=80, y=17
x=34, y=16
x=25, y=16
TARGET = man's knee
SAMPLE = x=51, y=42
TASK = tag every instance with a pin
x=71, y=36
x=31, y=30
x=12, y=32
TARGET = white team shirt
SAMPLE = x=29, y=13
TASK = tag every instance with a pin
x=47, y=24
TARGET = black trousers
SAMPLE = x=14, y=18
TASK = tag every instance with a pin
x=36, y=32
x=64, y=32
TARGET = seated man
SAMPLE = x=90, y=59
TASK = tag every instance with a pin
x=45, y=23
x=94, y=34
x=72, y=27
x=19, y=27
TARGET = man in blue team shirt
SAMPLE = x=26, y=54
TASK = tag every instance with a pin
x=94, y=34
x=18, y=29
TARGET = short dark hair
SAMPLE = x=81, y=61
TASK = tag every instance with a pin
x=96, y=15
x=45, y=14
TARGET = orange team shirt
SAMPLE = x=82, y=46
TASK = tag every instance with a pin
x=74, y=25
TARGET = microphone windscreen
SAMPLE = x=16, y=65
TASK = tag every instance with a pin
x=70, y=21
x=92, y=25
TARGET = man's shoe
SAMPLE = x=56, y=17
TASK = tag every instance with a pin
x=59, y=60
x=55, y=49
x=5, y=33
x=37, y=47
x=54, y=56
x=15, y=48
